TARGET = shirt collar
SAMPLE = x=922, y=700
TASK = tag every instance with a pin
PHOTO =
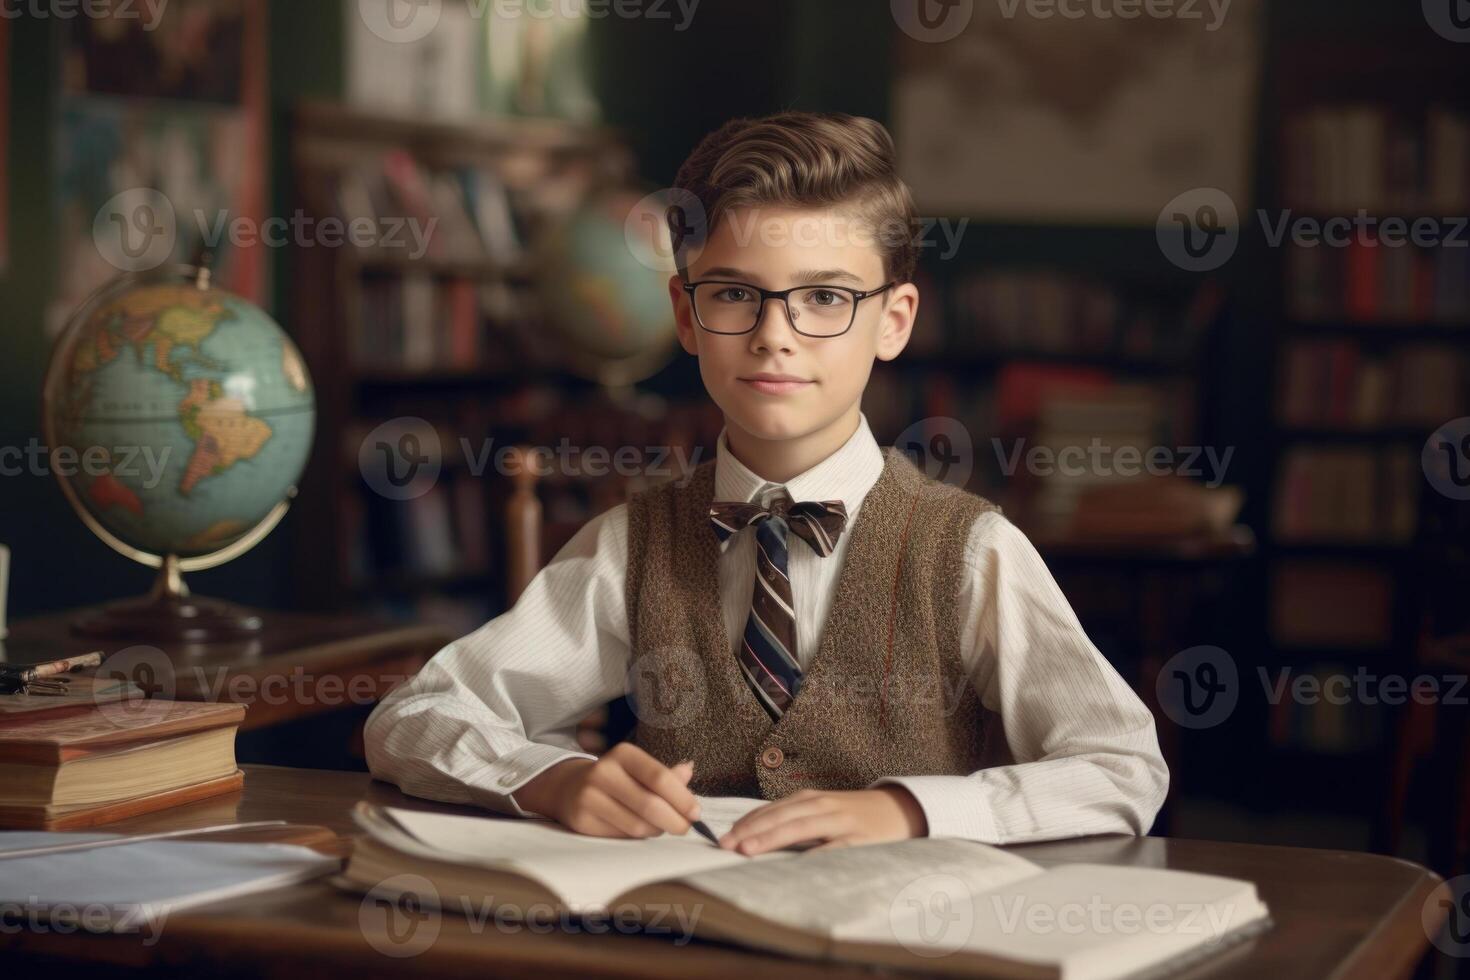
x=846, y=475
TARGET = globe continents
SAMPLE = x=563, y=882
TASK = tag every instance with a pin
x=603, y=278
x=180, y=416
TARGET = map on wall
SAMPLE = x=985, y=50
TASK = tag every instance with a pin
x=160, y=133
x=1088, y=120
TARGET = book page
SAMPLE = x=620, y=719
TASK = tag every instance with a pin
x=822, y=891
x=586, y=873
x=1084, y=920
x=720, y=812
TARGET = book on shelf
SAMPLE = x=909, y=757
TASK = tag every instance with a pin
x=1342, y=157
x=1348, y=494
x=118, y=759
x=438, y=534
x=1337, y=384
x=875, y=905
x=1315, y=712
x=1324, y=604
x=418, y=323
x=1369, y=282
x=1008, y=312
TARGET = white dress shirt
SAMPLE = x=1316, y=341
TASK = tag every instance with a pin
x=497, y=707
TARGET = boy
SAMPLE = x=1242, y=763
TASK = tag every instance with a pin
x=828, y=628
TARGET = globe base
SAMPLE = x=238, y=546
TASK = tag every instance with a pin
x=179, y=618
x=169, y=612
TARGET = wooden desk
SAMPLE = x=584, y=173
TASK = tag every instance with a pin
x=1337, y=913
x=298, y=666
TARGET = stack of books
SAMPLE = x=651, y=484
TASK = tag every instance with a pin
x=65, y=764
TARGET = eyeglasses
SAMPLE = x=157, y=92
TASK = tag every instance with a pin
x=728, y=307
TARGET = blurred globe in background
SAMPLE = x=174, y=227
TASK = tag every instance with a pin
x=603, y=277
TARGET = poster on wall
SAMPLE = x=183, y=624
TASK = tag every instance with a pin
x=161, y=147
x=1005, y=113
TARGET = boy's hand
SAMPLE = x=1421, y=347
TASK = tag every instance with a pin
x=625, y=793
x=831, y=819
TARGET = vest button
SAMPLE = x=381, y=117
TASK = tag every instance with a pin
x=772, y=757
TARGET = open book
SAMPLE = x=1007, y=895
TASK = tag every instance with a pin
x=936, y=904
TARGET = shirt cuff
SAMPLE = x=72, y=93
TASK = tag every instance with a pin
x=493, y=784
x=953, y=805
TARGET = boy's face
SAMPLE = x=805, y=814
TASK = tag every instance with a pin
x=777, y=248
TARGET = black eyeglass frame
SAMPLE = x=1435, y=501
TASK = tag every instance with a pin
x=858, y=295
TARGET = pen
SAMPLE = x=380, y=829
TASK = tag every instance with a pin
x=33, y=672
x=705, y=832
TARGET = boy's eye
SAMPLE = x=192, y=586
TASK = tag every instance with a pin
x=734, y=294
x=818, y=297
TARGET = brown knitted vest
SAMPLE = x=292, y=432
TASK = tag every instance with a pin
x=885, y=694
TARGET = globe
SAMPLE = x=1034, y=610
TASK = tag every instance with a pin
x=603, y=275
x=179, y=418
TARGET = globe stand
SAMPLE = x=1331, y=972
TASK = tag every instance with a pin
x=169, y=612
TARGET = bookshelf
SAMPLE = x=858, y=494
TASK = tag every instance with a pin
x=445, y=331
x=1369, y=343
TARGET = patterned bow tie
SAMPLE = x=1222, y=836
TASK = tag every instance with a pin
x=817, y=522
x=768, y=656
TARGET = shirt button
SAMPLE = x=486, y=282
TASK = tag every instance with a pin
x=508, y=778
x=772, y=757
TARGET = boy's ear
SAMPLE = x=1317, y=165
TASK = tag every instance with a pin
x=683, y=315
x=897, y=324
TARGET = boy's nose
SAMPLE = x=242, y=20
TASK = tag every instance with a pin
x=772, y=324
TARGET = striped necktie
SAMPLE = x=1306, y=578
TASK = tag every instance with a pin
x=768, y=647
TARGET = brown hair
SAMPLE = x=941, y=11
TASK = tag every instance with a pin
x=798, y=160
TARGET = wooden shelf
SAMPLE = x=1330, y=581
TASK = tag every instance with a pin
x=442, y=268
x=1389, y=434
x=989, y=361
x=1367, y=551
x=455, y=377
x=1381, y=330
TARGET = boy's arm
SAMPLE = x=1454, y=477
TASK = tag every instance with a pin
x=496, y=708
x=1086, y=750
